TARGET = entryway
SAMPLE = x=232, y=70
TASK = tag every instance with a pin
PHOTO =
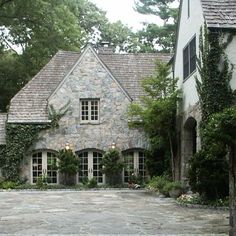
x=134, y=165
x=90, y=166
x=44, y=165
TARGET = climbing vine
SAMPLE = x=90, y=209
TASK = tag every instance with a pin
x=19, y=137
x=208, y=168
x=215, y=71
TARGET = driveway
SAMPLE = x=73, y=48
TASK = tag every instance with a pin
x=103, y=212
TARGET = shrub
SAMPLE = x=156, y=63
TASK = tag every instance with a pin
x=42, y=182
x=68, y=165
x=8, y=185
x=158, y=183
x=209, y=175
x=112, y=166
x=173, y=185
x=92, y=183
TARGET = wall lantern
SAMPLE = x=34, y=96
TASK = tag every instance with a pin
x=67, y=146
x=113, y=145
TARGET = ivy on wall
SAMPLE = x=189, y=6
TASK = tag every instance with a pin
x=215, y=71
x=19, y=137
x=208, y=172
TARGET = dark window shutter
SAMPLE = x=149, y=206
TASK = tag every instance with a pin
x=186, y=62
x=193, y=55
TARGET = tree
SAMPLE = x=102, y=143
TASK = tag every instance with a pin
x=156, y=114
x=112, y=166
x=157, y=37
x=31, y=33
x=10, y=68
x=68, y=165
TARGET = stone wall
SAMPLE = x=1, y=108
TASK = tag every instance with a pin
x=90, y=79
x=189, y=122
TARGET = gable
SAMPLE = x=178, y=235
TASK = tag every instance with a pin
x=30, y=104
x=188, y=28
x=89, y=63
x=88, y=79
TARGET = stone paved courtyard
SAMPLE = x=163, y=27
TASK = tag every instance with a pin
x=103, y=212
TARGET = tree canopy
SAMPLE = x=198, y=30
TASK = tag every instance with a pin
x=158, y=37
x=156, y=114
x=31, y=33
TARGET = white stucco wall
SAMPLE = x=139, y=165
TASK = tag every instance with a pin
x=188, y=28
x=231, y=52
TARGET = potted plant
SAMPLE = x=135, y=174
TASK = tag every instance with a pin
x=174, y=189
x=112, y=167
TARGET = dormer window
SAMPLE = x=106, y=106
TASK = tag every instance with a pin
x=189, y=58
x=89, y=110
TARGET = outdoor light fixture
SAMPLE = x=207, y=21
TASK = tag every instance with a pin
x=113, y=145
x=67, y=146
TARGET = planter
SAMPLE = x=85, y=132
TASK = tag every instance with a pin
x=175, y=193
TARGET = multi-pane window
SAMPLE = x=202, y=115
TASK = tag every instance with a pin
x=90, y=166
x=89, y=110
x=51, y=168
x=189, y=58
x=37, y=167
x=83, y=166
x=134, y=166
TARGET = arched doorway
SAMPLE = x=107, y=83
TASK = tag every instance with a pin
x=44, y=164
x=189, y=145
x=90, y=165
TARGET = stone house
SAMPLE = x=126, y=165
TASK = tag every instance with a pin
x=218, y=15
x=96, y=88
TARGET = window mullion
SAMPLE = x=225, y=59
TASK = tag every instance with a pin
x=89, y=111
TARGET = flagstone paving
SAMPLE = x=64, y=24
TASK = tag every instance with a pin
x=103, y=212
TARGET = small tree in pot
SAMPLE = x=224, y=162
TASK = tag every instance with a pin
x=68, y=166
x=112, y=167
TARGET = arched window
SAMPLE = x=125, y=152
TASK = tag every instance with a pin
x=44, y=164
x=90, y=165
x=134, y=165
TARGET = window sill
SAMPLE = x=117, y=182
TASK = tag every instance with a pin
x=90, y=123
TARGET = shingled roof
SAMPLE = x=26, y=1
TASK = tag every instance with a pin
x=219, y=13
x=130, y=69
x=29, y=105
x=3, y=118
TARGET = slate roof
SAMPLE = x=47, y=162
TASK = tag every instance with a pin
x=130, y=69
x=3, y=118
x=29, y=105
x=219, y=13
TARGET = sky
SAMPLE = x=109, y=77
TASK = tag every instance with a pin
x=123, y=10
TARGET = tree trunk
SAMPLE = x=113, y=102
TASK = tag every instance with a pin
x=232, y=192
x=172, y=157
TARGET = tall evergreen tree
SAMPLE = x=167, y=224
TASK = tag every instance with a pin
x=158, y=37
